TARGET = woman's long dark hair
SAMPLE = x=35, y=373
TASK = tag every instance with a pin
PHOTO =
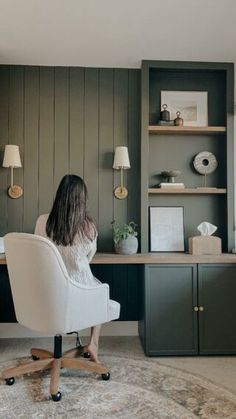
x=69, y=216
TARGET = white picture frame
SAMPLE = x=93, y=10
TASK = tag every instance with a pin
x=166, y=229
x=192, y=105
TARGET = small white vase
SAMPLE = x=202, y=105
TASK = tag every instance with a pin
x=127, y=246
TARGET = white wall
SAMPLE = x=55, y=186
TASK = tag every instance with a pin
x=108, y=33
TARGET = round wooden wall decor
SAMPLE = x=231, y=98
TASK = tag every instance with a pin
x=205, y=162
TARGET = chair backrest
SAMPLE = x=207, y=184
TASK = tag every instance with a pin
x=39, y=282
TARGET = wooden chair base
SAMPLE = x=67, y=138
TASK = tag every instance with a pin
x=45, y=360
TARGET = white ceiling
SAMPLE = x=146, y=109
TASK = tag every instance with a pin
x=116, y=33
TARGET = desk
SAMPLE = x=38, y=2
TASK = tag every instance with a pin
x=159, y=258
x=183, y=302
x=154, y=258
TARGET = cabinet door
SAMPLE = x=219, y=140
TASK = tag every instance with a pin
x=217, y=321
x=170, y=321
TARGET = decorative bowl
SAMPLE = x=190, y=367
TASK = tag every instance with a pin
x=170, y=174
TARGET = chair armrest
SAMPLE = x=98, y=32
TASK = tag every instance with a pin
x=87, y=306
x=87, y=287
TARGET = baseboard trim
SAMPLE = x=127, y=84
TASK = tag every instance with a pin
x=15, y=330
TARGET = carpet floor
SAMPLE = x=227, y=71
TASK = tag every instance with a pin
x=140, y=387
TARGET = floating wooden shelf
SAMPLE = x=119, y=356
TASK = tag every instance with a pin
x=157, y=129
x=198, y=191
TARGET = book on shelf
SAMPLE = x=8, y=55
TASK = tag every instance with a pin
x=169, y=185
x=206, y=187
x=166, y=123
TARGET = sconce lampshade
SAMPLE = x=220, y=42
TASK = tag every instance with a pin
x=12, y=156
x=121, y=158
x=12, y=159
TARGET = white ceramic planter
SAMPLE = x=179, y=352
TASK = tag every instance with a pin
x=128, y=246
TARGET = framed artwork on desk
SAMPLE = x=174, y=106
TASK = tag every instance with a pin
x=166, y=229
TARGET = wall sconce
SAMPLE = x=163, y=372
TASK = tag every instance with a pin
x=12, y=159
x=121, y=162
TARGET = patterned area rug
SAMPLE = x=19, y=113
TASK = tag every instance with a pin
x=137, y=389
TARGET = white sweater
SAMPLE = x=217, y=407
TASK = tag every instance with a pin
x=75, y=257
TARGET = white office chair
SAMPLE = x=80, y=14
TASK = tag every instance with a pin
x=46, y=300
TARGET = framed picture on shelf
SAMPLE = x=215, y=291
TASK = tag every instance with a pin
x=193, y=106
x=166, y=229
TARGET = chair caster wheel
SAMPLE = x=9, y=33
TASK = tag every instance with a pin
x=87, y=355
x=106, y=376
x=56, y=397
x=35, y=358
x=10, y=381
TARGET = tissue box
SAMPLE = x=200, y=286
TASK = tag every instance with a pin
x=204, y=245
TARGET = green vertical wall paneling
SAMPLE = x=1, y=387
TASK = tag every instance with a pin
x=16, y=137
x=91, y=138
x=46, y=140
x=120, y=133
x=4, y=89
x=69, y=119
x=61, y=155
x=76, y=115
x=106, y=114
x=31, y=142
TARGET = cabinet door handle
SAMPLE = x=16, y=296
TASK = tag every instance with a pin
x=196, y=308
x=201, y=308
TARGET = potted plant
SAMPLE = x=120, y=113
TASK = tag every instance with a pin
x=125, y=238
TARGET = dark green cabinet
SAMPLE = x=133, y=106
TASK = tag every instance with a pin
x=217, y=298
x=168, y=323
x=188, y=309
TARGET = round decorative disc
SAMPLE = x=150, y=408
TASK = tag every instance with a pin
x=205, y=163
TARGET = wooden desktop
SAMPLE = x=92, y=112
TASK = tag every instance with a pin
x=154, y=258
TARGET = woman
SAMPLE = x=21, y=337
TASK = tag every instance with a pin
x=74, y=233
